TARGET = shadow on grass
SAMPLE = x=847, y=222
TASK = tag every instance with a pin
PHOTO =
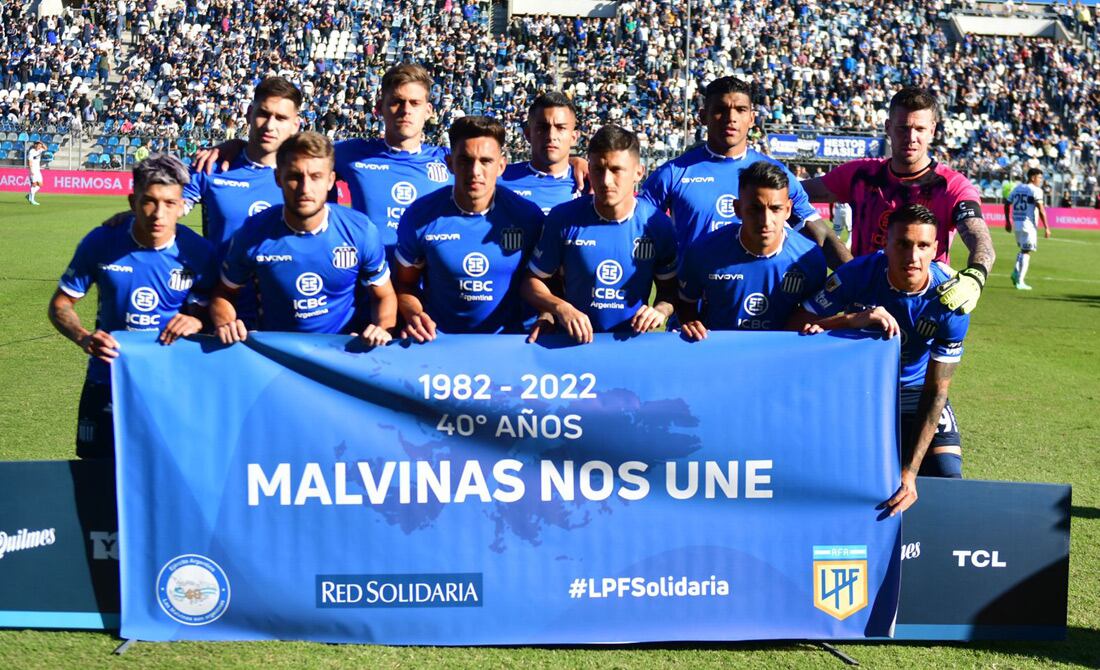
x=1079, y=298
x=1081, y=647
x=1085, y=513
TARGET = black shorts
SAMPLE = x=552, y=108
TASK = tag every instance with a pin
x=947, y=435
x=95, y=429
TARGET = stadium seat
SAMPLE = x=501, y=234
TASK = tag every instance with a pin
x=112, y=141
x=23, y=137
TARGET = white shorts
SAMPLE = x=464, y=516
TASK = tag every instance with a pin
x=1027, y=237
x=36, y=177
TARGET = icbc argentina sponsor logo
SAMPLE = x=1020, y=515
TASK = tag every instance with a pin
x=399, y=590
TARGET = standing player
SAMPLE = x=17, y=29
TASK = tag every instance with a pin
x=1026, y=205
x=877, y=186
x=34, y=170
x=306, y=257
x=551, y=132
x=841, y=213
x=892, y=291
x=469, y=244
x=149, y=274
x=610, y=248
x=751, y=276
x=697, y=187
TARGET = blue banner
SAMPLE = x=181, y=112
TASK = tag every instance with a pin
x=848, y=148
x=480, y=490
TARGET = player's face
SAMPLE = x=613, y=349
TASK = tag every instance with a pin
x=728, y=120
x=764, y=213
x=1037, y=180
x=305, y=181
x=552, y=133
x=614, y=176
x=405, y=110
x=910, y=136
x=910, y=250
x=270, y=122
x=157, y=209
x=476, y=164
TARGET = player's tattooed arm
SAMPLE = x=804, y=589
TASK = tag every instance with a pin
x=817, y=191
x=933, y=398
x=820, y=231
x=975, y=235
x=64, y=318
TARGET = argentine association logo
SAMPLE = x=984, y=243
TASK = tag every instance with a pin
x=345, y=257
x=437, y=172
x=840, y=579
x=193, y=590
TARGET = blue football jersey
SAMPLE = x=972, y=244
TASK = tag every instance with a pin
x=384, y=181
x=608, y=266
x=742, y=291
x=306, y=281
x=472, y=262
x=230, y=197
x=928, y=329
x=139, y=288
x=544, y=189
x=699, y=187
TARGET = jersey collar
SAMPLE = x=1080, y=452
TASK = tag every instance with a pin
x=316, y=231
x=618, y=221
x=162, y=247
x=539, y=173
x=466, y=212
x=771, y=255
x=911, y=294
x=725, y=158
x=395, y=150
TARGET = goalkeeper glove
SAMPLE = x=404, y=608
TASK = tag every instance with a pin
x=961, y=292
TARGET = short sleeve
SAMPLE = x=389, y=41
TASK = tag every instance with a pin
x=80, y=274
x=373, y=268
x=192, y=192
x=410, y=247
x=836, y=293
x=689, y=274
x=237, y=266
x=802, y=210
x=839, y=180
x=546, y=258
x=947, y=346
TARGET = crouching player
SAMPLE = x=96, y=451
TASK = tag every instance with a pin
x=150, y=275
x=893, y=291
x=306, y=257
x=753, y=275
x=609, y=247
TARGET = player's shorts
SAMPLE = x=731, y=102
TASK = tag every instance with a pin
x=95, y=430
x=1027, y=237
x=36, y=177
x=947, y=435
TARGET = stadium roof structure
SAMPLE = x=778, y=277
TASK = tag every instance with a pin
x=1010, y=26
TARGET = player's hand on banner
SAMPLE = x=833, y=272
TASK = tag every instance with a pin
x=961, y=292
x=574, y=322
x=374, y=336
x=811, y=329
x=694, y=330
x=877, y=318
x=101, y=345
x=580, y=174
x=205, y=159
x=117, y=220
x=181, y=325
x=420, y=327
x=906, y=494
x=647, y=319
x=234, y=331
x=544, y=324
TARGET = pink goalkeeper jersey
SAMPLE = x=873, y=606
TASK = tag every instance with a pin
x=874, y=191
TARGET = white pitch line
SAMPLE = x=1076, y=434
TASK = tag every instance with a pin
x=1069, y=279
x=1061, y=239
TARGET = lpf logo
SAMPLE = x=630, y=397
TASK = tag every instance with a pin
x=511, y=239
x=403, y=193
x=644, y=249
x=724, y=205
x=144, y=299
x=840, y=579
x=437, y=172
x=345, y=257
x=609, y=272
x=475, y=264
x=257, y=207
x=309, y=284
x=756, y=304
x=181, y=280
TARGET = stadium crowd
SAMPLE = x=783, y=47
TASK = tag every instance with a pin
x=187, y=68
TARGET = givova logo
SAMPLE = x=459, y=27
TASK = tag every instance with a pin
x=193, y=590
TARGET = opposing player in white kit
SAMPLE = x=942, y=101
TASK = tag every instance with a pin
x=34, y=166
x=1023, y=212
x=841, y=213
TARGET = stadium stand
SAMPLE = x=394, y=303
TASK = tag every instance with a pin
x=179, y=73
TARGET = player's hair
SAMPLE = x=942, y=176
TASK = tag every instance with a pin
x=910, y=214
x=614, y=138
x=406, y=73
x=277, y=87
x=763, y=174
x=469, y=127
x=1033, y=172
x=915, y=99
x=159, y=168
x=551, y=99
x=723, y=86
x=309, y=143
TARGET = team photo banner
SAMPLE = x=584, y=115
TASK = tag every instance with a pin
x=481, y=490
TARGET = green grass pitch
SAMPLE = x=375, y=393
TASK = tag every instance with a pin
x=1027, y=395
